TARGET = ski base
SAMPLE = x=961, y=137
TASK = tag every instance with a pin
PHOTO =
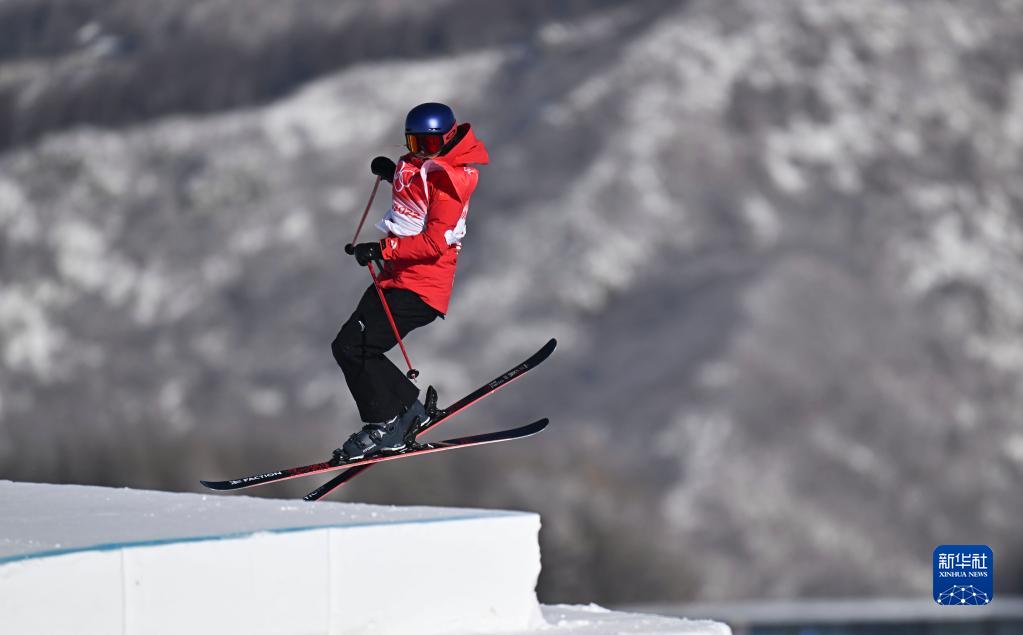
x=423, y=448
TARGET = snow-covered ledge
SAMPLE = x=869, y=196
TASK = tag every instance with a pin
x=108, y=561
x=98, y=560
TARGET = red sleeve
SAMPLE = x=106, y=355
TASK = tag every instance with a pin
x=442, y=215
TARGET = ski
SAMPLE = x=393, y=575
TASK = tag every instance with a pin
x=419, y=448
x=360, y=465
x=446, y=413
x=335, y=483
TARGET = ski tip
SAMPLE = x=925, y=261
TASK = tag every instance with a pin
x=218, y=485
x=544, y=352
x=537, y=426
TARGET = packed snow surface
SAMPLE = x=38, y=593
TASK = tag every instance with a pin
x=101, y=561
x=40, y=519
x=596, y=620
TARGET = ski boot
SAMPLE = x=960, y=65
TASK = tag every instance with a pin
x=391, y=436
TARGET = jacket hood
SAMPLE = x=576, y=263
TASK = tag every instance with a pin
x=469, y=149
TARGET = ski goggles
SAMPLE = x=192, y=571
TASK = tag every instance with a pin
x=424, y=143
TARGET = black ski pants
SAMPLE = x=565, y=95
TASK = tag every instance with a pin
x=381, y=390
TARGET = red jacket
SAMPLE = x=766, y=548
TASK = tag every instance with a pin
x=430, y=201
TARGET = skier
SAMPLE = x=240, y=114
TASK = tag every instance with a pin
x=431, y=187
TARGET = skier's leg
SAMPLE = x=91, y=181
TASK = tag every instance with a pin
x=381, y=390
x=383, y=393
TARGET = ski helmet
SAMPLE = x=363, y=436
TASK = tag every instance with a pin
x=428, y=127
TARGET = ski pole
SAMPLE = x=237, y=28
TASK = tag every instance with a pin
x=350, y=247
x=412, y=372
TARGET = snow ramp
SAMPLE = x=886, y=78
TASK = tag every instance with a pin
x=94, y=560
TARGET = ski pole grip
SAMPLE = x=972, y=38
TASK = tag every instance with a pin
x=412, y=374
x=350, y=249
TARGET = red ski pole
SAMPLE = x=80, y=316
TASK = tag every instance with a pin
x=412, y=372
x=350, y=249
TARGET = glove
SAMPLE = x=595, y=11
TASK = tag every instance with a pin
x=365, y=252
x=383, y=167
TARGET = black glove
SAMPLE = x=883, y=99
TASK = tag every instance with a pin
x=365, y=252
x=383, y=167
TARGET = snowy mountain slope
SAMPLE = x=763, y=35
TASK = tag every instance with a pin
x=778, y=242
x=115, y=63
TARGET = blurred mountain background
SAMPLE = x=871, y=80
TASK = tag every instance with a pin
x=780, y=243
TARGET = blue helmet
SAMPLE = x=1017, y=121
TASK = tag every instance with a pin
x=429, y=118
x=429, y=128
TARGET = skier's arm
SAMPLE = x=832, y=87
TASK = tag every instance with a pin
x=444, y=213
